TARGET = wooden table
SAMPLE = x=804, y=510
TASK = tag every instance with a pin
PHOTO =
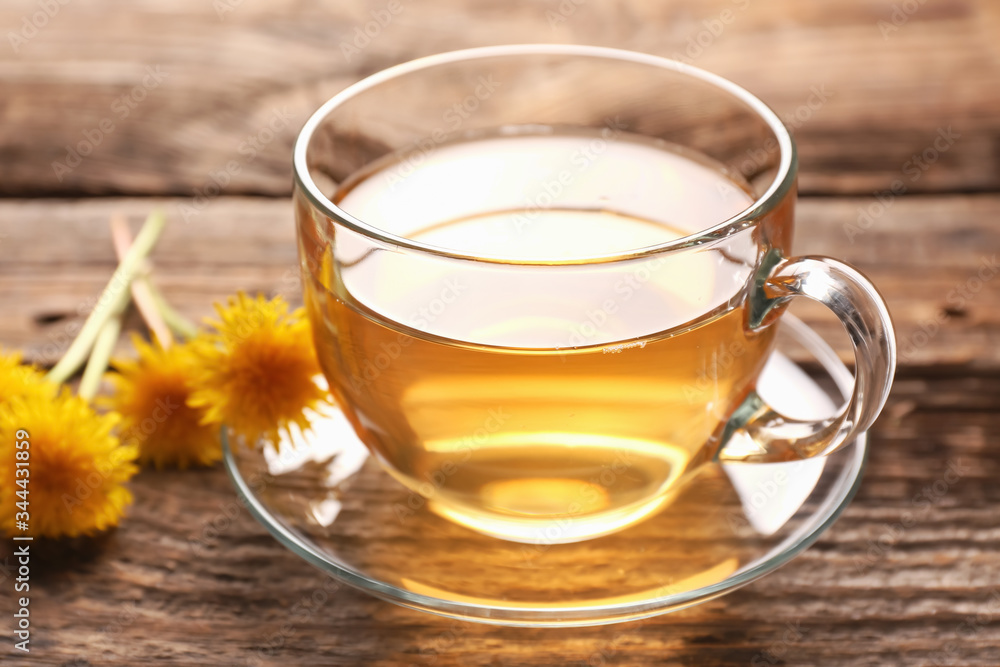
x=169, y=92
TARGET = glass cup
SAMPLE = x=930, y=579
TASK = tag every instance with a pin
x=543, y=280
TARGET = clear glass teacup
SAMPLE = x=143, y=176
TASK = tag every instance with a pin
x=543, y=281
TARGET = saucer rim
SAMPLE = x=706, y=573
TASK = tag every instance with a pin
x=582, y=615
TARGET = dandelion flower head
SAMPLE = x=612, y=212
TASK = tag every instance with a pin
x=257, y=368
x=77, y=467
x=151, y=393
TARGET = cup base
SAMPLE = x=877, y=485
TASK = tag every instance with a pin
x=561, y=508
x=327, y=500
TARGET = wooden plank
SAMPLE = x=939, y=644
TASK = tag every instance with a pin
x=214, y=79
x=868, y=593
x=924, y=253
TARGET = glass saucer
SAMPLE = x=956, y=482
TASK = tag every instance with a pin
x=332, y=504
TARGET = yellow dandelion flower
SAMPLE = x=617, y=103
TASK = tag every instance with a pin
x=256, y=370
x=76, y=467
x=18, y=380
x=151, y=394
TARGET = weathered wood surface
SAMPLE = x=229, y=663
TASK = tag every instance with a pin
x=143, y=593
x=925, y=254
x=224, y=69
x=867, y=593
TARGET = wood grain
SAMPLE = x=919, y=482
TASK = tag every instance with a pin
x=146, y=592
x=924, y=253
x=223, y=76
x=868, y=593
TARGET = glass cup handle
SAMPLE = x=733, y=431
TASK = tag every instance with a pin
x=757, y=433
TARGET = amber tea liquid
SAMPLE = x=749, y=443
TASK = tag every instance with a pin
x=518, y=413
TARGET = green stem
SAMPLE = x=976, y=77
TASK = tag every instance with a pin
x=104, y=346
x=179, y=324
x=113, y=299
x=141, y=296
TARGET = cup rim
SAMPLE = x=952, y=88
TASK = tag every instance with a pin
x=767, y=202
